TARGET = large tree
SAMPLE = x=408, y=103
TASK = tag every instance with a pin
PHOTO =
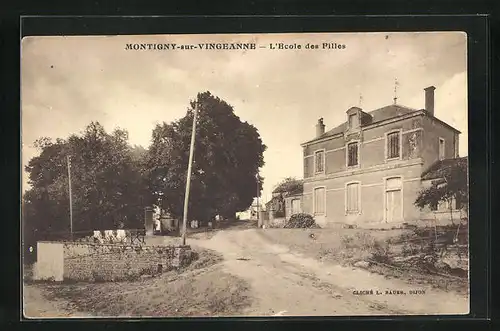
x=227, y=156
x=107, y=186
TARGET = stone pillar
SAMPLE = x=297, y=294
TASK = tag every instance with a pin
x=148, y=221
x=263, y=216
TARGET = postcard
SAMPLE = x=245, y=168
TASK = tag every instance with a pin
x=222, y=175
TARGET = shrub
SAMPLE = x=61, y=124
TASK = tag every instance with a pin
x=381, y=252
x=361, y=240
x=301, y=221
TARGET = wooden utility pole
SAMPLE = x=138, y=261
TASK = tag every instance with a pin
x=188, y=179
x=258, y=191
x=70, y=199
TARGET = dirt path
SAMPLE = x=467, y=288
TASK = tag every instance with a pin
x=284, y=283
x=37, y=306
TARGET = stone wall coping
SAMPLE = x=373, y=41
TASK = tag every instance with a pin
x=76, y=243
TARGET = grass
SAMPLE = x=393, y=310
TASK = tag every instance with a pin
x=343, y=246
x=201, y=289
x=348, y=246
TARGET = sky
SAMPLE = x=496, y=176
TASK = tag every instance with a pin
x=67, y=82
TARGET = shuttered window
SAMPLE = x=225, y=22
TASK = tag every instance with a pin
x=441, y=148
x=393, y=145
x=295, y=206
x=319, y=201
x=352, y=198
x=352, y=154
x=353, y=121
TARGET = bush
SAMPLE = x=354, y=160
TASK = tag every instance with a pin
x=301, y=221
x=381, y=252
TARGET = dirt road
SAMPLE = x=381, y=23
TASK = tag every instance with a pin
x=37, y=306
x=284, y=283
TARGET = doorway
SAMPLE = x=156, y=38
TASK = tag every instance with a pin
x=393, y=200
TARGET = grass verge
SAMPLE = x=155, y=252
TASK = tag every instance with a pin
x=200, y=289
x=373, y=250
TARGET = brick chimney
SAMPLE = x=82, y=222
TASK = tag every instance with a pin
x=429, y=99
x=320, y=128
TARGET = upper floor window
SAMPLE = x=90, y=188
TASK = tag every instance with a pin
x=441, y=148
x=352, y=154
x=393, y=144
x=319, y=161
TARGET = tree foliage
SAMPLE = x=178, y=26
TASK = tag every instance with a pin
x=107, y=186
x=227, y=156
x=451, y=183
x=289, y=185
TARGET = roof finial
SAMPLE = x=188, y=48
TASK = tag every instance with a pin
x=396, y=84
x=360, y=99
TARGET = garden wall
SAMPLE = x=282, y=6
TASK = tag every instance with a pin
x=106, y=262
x=277, y=222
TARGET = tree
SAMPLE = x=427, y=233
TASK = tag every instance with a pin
x=227, y=157
x=107, y=186
x=450, y=183
x=289, y=185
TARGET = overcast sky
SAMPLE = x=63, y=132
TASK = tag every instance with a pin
x=69, y=81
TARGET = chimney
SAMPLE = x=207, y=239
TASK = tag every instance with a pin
x=429, y=99
x=320, y=128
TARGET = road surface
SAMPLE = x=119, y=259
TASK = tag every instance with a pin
x=287, y=284
x=37, y=306
x=284, y=283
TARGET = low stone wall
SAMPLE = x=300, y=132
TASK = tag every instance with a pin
x=277, y=222
x=107, y=262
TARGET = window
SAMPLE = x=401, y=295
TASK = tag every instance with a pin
x=393, y=145
x=352, y=154
x=319, y=201
x=353, y=121
x=295, y=206
x=319, y=161
x=352, y=198
x=441, y=148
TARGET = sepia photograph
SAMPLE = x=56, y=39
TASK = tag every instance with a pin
x=245, y=175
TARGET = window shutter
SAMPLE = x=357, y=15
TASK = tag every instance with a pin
x=352, y=197
x=319, y=200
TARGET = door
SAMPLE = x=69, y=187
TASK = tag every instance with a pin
x=319, y=205
x=393, y=206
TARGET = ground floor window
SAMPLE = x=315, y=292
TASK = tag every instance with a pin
x=319, y=200
x=296, y=206
x=353, y=200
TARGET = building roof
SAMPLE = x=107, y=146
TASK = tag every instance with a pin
x=440, y=168
x=377, y=115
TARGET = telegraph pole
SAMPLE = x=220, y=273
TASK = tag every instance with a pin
x=258, y=191
x=70, y=199
x=188, y=179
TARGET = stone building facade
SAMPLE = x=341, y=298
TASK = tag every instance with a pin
x=367, y=171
